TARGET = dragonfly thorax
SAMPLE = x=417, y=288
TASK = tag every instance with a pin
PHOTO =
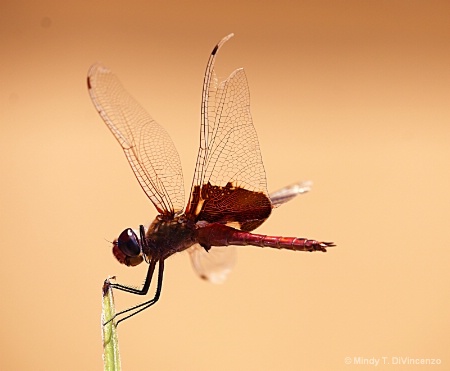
x=167, y=237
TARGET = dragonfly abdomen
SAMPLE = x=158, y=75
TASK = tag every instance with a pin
x=278, y=242
x=216, y=234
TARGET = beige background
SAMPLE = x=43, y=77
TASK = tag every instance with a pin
x=353, y=95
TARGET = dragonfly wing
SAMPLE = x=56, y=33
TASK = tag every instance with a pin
x=288, y=193
x=229, y=181
x=215, y=265
x=147, y=146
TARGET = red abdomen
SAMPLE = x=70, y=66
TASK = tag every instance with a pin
x=216, y=234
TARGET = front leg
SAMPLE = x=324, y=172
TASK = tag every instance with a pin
x=140, y=307
x=134, y=290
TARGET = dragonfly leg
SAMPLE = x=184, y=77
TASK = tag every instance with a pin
x=148, y=278
x=140, y=307
x=145, y=287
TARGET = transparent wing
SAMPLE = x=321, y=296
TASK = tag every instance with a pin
x=147, y=146
x=229, y=154
x=286, y=194
x=215, y=265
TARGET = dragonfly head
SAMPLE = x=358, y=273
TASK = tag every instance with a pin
x=127, y=248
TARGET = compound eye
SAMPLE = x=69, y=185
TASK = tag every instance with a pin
x=128, y=243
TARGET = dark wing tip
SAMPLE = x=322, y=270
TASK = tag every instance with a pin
x=221, y=42
x=89, y=83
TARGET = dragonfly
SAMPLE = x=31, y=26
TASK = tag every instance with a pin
x=228, y=197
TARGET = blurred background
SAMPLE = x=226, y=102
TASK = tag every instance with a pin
x=351, y=95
